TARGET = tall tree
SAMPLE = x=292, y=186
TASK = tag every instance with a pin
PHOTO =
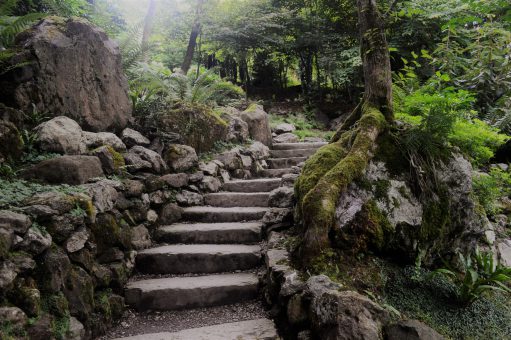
x=148, y=22
x=192, y=42
x=329, y=172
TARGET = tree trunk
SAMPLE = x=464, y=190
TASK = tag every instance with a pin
x=376, y=58
x=328, y=173
x=192, y=42
x=148, y=23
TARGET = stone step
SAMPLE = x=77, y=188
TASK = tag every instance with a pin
x=292, y=146
x=259, y=329
x=189, y=292
x=292, y=153
x=237, y=199
x=249, y=232
x=198, y=258
x=281, y=163
x=253, y=185
x=218, y=214
x=275, y=173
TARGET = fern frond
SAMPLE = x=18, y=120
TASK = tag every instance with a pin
x=7, y=7
x=9, y=32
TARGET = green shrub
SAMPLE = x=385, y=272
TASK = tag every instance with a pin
x=443, y=118
x=488, y=188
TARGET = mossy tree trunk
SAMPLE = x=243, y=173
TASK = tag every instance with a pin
x=329, y=172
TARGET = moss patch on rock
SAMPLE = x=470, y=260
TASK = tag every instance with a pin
x=199, y=126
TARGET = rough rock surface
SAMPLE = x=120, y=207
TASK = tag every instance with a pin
x=411, y=330
x=286, y=138
x=66, y=169
x=61, y=135
x=343, y=315
x=59, y=52
x=94, y=140
x=258, y=124
x=284, y=128
x=282, y=197
x=181, y=158
x=139, y=158
x=396, y=220
x=132, y=138
x=11, y=144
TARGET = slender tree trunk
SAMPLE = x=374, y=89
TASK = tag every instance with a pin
x=148, y=22
x=192, y=42
x=199, y=52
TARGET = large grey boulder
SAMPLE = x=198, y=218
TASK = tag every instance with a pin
x=61, y=135
x=411, y=330
x=282, y=197
x=181, y=158
x=383, y=212
x=258, y=124
x=284, y=128
x=72, y=170
x=94, y=140
x=139, y=158
x=237, y=131
x=132, y=138
x=17, y=222
x=72, y=69
x=286, y=138
x=343, y=315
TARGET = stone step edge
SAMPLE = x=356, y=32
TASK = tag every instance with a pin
x=263, y=329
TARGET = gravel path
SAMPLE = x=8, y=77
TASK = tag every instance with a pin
x=134, y=323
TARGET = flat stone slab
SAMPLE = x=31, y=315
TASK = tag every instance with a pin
x=237, y=199
x=260, y=329
x=216, y=214
x=292, y=153
x=190, y=292
x=291, y=146
x=253, y=185
x=198, y=258
x=275, y=172
x=280, y=163
x=237, y=232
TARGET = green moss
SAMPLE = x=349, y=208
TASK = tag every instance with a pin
x=392, y=155
x=55, y=304
x=370, y=230
x=436, y=219
x=119, y=162
x=381, y=188
x=317, y=166
x=319, y=203
x=107, y=231
x=60, y=327
x=102, y=304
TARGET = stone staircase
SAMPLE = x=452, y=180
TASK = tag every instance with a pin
x=209, y=260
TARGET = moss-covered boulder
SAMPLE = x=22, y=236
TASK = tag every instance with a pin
x=391, y=209
x=199, y=126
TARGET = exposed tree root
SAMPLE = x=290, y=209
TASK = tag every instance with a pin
x=328, y=173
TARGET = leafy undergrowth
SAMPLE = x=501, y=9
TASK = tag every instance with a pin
x=416, y=294
x=305, y=127
x=13, y=192
x=432, y=300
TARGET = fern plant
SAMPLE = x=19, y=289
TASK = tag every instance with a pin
x=154, y=82
x=478, y=274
